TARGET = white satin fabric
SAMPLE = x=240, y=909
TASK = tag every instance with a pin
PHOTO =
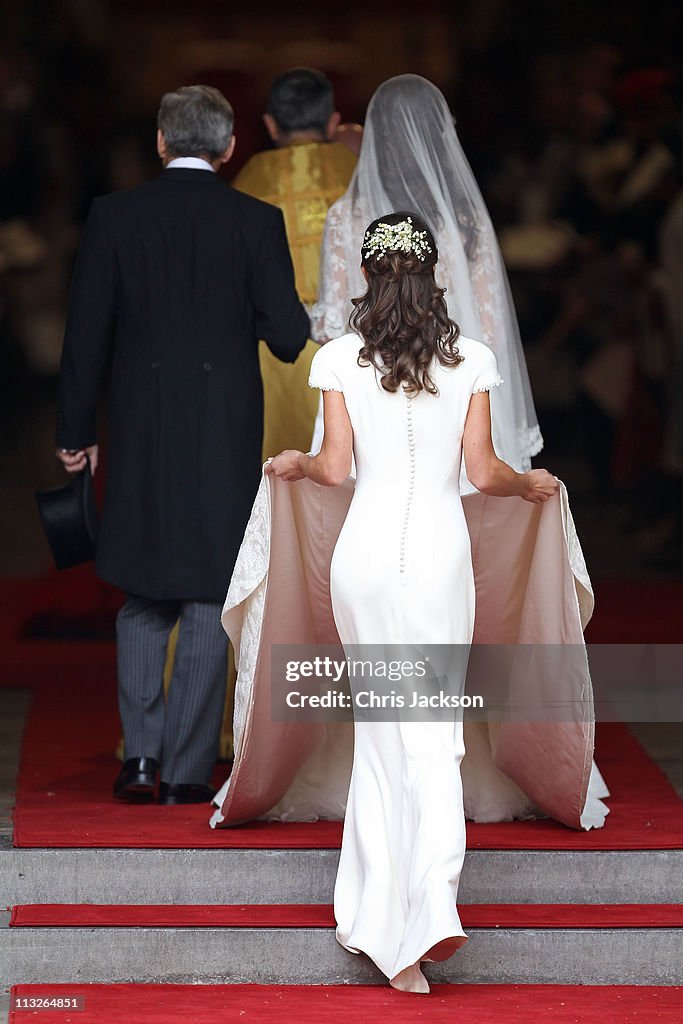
x=400, y=564
x=391, y=584
x=532, y=587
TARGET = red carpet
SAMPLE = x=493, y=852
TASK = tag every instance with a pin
x=64, y=791
x=68, y=767
x=353, y=1004
x=483, y=915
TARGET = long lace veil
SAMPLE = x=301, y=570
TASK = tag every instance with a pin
x=411, y=159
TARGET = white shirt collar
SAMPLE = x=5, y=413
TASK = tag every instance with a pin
x=194, y=162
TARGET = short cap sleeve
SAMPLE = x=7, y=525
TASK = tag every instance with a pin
x=487, y=375
x=323, y=374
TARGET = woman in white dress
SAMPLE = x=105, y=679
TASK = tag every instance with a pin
x=411, y=159
x=407, y=396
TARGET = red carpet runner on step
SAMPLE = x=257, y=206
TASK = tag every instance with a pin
x=356, y=1004
x=479, y=915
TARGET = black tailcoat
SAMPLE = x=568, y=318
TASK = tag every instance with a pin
x=175, y=283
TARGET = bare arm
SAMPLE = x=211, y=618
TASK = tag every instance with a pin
x=490, y=474
x=332, y=465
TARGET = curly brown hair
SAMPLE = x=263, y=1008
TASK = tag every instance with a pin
x=402, y=318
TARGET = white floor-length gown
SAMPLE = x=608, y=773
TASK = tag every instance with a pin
x=411, y=159
x=401, y=573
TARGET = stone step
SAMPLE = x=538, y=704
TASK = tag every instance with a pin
x=307, y=876
x=590, y=956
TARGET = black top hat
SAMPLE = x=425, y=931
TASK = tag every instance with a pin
x=70, y=520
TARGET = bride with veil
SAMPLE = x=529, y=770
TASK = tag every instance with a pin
x=411, y=159
x=533, y=593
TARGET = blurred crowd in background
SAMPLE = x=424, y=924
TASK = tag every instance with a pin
x=573, y=123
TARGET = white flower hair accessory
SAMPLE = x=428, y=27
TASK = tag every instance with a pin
x=401, y=237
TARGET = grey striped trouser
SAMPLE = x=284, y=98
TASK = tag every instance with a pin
x=182, y=731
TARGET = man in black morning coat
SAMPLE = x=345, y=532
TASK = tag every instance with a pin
x=175, y=283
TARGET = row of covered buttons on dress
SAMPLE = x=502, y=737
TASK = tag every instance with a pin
x=411, y=480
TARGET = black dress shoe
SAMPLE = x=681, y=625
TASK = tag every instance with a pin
x=137, y=779
x=185, y=793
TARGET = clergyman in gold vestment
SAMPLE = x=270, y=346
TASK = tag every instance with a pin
x=303, y=175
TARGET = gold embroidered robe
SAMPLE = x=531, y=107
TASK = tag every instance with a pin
x=303, y=180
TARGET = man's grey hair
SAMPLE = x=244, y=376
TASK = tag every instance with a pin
x=196, y=119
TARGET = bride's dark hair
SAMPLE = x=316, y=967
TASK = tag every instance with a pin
x=402, y=318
